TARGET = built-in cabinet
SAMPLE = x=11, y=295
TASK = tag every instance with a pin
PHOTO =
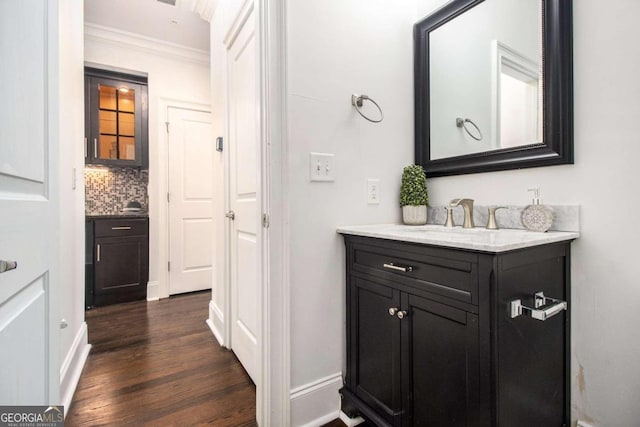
x=431, y=340
x=116, y=119
x=118, y=256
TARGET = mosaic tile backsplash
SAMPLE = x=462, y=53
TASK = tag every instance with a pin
x=109, y=190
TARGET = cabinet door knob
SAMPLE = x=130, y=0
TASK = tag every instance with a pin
x=393, y=311
x=402, y=314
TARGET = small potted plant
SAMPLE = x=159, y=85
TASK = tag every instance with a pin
x=413, y=195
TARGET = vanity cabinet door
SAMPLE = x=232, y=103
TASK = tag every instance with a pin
x=375, y=347
x=121, y=269
x=440, y=364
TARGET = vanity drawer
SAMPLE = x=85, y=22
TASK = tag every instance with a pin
x=121, y=227
x=433, y=270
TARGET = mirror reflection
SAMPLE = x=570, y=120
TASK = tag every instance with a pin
x=485, y=79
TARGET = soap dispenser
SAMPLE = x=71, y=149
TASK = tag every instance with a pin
x=536, y=216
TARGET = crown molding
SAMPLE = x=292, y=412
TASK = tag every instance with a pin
x=125, y=39
x=204, y=8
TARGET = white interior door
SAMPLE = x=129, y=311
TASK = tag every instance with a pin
x=191, y=149
x=29, y=369
x=243, y=169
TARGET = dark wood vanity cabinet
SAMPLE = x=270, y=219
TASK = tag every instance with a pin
x=430, y=339
x=120, y=254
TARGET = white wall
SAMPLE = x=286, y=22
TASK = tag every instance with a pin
x=336, y=48
x=73, y=338
x=169, y=78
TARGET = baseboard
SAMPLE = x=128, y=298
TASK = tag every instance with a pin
x=71, y=368
x=153, y=291
x=350, y=422
x=215, y=322
x=316, y=403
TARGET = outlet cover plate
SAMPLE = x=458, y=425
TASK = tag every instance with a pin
x=373, y=191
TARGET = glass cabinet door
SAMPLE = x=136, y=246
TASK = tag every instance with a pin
x=116, y=122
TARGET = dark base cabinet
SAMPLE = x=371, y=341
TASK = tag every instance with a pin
x=436, y=345
x=120, y=255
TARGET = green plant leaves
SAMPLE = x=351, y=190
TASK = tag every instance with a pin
x=413, y=190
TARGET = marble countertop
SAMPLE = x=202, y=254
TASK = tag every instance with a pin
x=118, y=216
x=478, y=239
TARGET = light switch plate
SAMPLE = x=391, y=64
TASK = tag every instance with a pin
x=373, y=191
x=321, y=167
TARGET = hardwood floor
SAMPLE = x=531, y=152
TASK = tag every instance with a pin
x=158, y=363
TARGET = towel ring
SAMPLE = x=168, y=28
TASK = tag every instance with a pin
x=462, y=123
x=356, y=101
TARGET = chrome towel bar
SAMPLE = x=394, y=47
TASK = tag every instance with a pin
x=544, y=309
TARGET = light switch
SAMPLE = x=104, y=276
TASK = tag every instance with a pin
x=321, y=167
x=373, y=191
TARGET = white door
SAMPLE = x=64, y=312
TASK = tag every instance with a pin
x=191, y=149
x=29, y=369
x=243, y=173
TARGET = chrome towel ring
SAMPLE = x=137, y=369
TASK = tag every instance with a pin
x=356, y=101
x=462, y=123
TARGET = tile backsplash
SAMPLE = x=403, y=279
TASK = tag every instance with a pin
x=108, y=190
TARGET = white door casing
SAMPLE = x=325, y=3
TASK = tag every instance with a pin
x=190, y=162
x=244, y=166
x=29, y=219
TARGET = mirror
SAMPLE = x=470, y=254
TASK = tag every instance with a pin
x=493, y=84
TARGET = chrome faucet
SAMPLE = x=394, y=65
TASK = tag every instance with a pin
x=467, y=205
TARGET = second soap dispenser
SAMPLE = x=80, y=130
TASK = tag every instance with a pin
x=536, y=216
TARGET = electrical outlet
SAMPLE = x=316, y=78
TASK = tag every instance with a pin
x=321, y=167
x=373, y=191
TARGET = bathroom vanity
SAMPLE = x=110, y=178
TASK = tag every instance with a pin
x=454, y=327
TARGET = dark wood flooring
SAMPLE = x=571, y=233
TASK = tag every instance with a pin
x=156, y=364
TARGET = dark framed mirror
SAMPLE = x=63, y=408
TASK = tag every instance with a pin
x=494, y=86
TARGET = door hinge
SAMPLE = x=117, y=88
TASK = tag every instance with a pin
x=168, y=198
x=167, y=124
x=265, y=220
x=168, y=265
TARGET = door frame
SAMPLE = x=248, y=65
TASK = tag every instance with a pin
x=275, y=399
x=160, y=289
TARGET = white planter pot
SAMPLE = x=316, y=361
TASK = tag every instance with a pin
x=414, y=215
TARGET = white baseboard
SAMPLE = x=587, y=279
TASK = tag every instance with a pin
x=72, y=366
x=350, y=422
x=153, y=291
x=316, y=403
x=215, y=322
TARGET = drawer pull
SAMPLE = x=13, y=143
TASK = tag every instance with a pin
x=98, y=253
x=402, y=314
x=393, y=311
x=392, y=266
x=121, y=228
x=545, y=307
